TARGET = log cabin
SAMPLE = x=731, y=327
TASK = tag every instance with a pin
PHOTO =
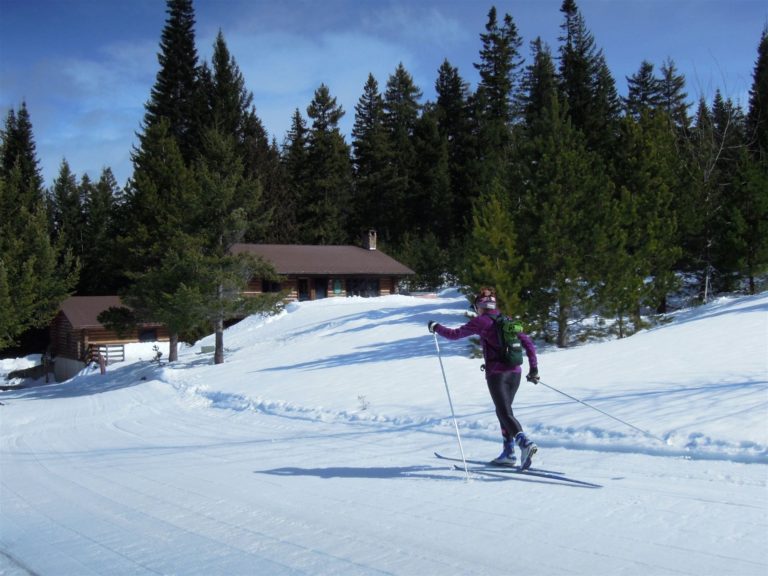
x=77, y=336
x=316, y=272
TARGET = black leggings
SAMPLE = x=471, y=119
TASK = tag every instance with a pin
x=503, y=387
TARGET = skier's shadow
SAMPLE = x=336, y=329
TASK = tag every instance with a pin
x=367, y=472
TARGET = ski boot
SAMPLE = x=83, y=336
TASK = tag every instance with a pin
x=527, y=450
x=507, y=456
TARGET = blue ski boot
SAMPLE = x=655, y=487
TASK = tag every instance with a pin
x=527, y=450
x=507, y=456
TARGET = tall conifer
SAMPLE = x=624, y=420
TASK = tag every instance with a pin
x=36, y=274
x=175, y=95
x=371, y=159
x=327, y=202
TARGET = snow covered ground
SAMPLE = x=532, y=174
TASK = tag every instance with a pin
x=310, y=451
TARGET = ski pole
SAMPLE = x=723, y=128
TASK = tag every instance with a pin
x=603, y=412
x=450, y=403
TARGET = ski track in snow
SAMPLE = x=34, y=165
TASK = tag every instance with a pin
x=310, y=452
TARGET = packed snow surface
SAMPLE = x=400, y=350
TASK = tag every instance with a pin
x=310, y=451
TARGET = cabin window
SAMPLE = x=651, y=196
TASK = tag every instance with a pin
x=366, y=287
x=270, y=286
x=148, y=335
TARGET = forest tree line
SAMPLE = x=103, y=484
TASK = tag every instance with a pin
x=543, y=181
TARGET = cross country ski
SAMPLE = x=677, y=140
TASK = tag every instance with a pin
x=498, y=470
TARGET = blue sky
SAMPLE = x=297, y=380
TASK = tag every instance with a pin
x=85, y=67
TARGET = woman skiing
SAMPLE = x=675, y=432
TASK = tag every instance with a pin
x=503, y=378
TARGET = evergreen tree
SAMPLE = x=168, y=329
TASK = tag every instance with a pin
x=175, y=95
x=98, y=275
x=295, y=164
x=232, y=112
x=712, y=152
x=278, y=224
x=157, y=226
x=18, y=148
x=644, y=91
x=401, y=109
x=371, y=155
x=66, y=210
x=228, y=99
x=674, y=99
x=747, y=234
x=36, y=274
x=586, y=82
x=326, y=206
x=730, y=132
x=752, y=183
x=491, y=254
x=227, y=201
x=496, y=101
x=499, y=67
x=647, y=179
x=757, y=117
x=454, y=120
x=539, y=84
x=568, y=196
x=431, y=203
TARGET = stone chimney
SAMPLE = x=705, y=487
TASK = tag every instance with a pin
x=369, y=240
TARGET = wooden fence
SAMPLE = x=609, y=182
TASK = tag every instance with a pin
x=112, y=353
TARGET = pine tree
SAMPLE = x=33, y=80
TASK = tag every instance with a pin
x=539, y=84
x=431, y=204
x=647, y=179
x=496, y=100
x=674, y=99
x=644, y=91
x=492, y=257
x=19, y=150
x=99, y=266
x=231, y=112
x=36, y=274
x=66, y=210
x=730, y=131
x=371, y=159
x=569, y=198
x=401, y=110
x=295, y=163
x=586, y=82
x=228, y=99
x=454, y=118
x=227, y=202
x=157, y=224
x=752, y=183
x=176, y=94
x=499, y=67
x=326, y=205
x=757, y=118
x=712, y=151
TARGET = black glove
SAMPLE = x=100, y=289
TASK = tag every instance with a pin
x=431, y=326
x=533, y=376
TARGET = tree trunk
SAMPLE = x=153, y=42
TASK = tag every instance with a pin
x=562, y=326
x=173, y=347
x=218, y=355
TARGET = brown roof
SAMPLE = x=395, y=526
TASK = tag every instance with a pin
x=81, y=311
x=298, y=259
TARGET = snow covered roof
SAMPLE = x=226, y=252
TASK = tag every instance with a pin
x=302, y=259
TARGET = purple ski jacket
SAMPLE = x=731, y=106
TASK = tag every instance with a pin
x=485, y=327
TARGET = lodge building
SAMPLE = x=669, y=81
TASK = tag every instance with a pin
x=307, y=272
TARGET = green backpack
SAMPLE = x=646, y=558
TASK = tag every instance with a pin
x=507, y=329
